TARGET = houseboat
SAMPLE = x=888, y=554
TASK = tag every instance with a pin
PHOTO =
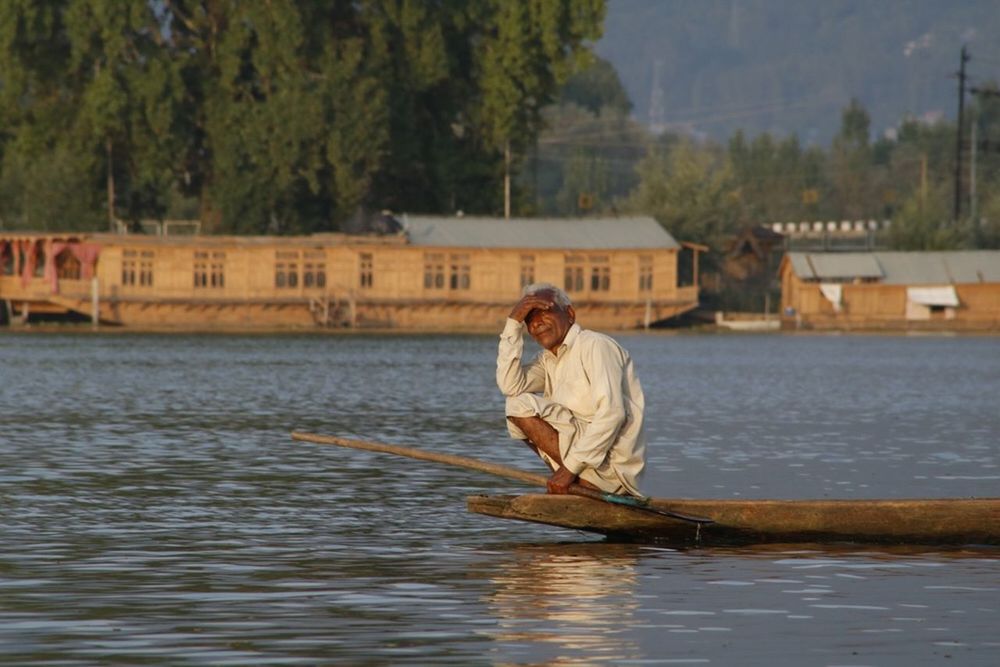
x=943, y=291
x=416, y=273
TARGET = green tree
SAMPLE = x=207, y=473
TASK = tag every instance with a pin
x=278, y=90
x=530, y=50
x=776, y=180
x=925, y=224
x=690, y=191
x=854, y=181
x=582, y=153
x=984, y=157
x=277, y=115
x=596, y=88
x=986, y=227
x=586, y=183
x=88, y=103
x=922, y=158
x=45, y=173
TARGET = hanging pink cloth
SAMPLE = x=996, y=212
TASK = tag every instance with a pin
x=28, y=270
x=87, y=254
x=52, y=250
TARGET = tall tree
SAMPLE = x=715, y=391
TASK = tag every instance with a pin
x=583, y=157
x=45, y=175
x=690, y=191
x=852, y=177
x=277, y=115
x=531, y=49
x=776, y=180
x=88, y=99
x=596, y=88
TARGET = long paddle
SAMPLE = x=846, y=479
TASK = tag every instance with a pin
x=493, y=469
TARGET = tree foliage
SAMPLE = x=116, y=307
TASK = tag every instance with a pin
x=287, y=116
x=597, y=89
x=690, y=190
x=273, y=115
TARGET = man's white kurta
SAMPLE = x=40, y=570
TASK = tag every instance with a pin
x=592, y=376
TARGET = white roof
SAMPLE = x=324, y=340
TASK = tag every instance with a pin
x=901, y=268
x=553, y=233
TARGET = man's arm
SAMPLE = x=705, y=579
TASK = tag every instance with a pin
x=512, y=377
x=606, y=367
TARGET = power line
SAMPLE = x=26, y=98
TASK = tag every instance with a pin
x=981, y=59
x=747, y=111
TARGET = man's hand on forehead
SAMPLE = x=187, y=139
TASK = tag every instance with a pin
x=525, y=308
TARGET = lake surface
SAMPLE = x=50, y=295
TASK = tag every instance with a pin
x=154, y=511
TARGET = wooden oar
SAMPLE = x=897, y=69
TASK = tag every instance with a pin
x=493, y=469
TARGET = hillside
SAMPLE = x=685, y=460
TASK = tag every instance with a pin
x=788, y=66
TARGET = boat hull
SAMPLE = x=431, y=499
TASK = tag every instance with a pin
x=959, y=521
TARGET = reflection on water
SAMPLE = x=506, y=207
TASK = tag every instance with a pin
x=561, y=600
x=153, y=509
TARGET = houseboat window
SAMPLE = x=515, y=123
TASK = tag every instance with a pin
x=286, y=268
x=460, y=272
x=145, y=268
x=314, y=269
x=600, y=278
x=313, y=275
x=527, y=270
x=365, y=276
x=573, y=275
x=600, y=274
x=137, y=268
x=209, y=269
x=286, y=274
x=217, y=278
x=201, y=269
x=6, y=260
x=433, y=271
x=645, y=273
x=128, y=267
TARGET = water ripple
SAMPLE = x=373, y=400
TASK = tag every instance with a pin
x=154, y=510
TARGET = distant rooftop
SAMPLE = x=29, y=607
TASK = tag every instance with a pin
x=554, y=233
x=900, y=268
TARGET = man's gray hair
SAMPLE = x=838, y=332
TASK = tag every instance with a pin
x=560, y=297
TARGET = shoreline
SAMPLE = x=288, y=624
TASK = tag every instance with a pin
x=84, y=329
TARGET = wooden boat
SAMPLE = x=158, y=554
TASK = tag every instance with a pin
x=960, y=521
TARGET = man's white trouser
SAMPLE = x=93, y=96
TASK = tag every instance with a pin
x=569, y=429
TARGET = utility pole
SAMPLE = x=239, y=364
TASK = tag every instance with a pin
x=506, y=180
x=958, y=141
x=111, y=185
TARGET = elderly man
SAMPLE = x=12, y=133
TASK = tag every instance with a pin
x=578, y=404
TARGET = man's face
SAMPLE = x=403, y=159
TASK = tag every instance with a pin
x=549, y=327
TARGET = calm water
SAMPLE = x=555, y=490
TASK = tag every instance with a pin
x=154, y=511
